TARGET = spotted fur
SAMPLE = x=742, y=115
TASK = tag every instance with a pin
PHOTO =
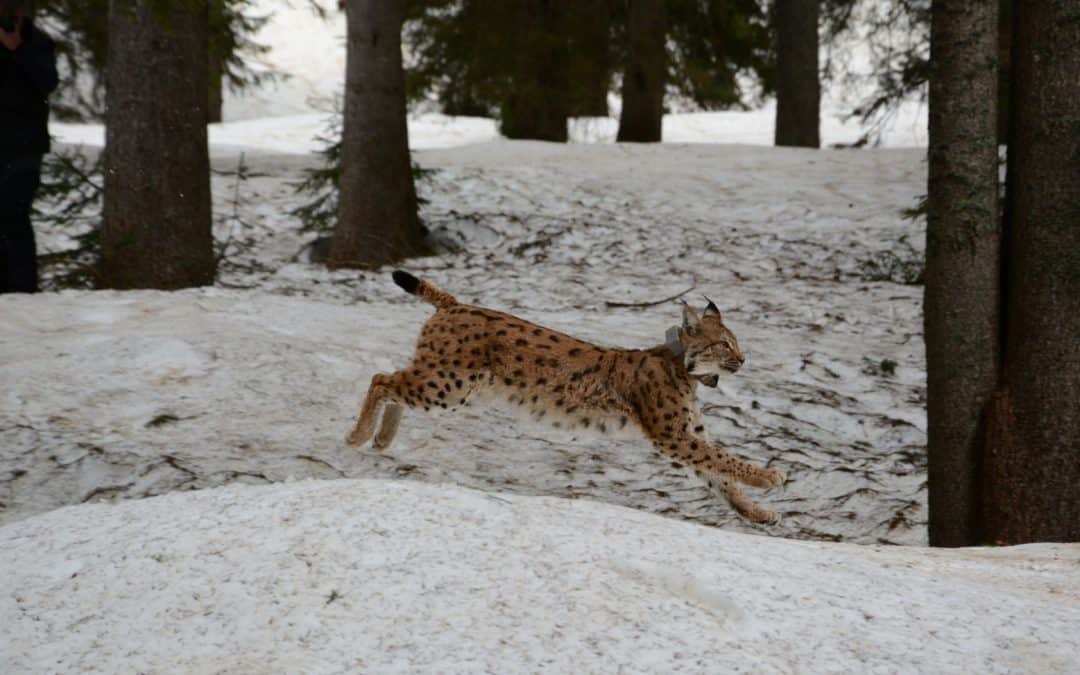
x=466, y=353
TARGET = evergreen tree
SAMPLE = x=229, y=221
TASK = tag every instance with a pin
x=537, y=100
x=963, y=242
x=896, y=35
x=81, y=29
x=156, y=231
x=712, y=45
x=377, y=209
x=233, y=25
x=1031, y=467
x=487, y=57
x=798, y=88
x=1005, y=22
x=1003, y=304
x=591, y=64
x=645, y=73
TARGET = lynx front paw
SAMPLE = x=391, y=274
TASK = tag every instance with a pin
x=357, y=438
x=755, y=514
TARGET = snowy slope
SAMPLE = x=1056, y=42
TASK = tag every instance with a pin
x=249, y=385
x=393, y=576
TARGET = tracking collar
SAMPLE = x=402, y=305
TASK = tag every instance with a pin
x=672, y=341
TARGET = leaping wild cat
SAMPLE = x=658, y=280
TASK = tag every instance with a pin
x=464, y=352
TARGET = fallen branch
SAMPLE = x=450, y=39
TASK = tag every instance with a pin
x=611, y=303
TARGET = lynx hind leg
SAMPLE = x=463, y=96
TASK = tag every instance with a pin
x=383, y=389
x=388, y=429
x=743, y=505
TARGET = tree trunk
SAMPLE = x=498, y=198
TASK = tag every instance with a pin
x=215, y=101
x=1031, y=488
x=216, y=58
x=377, y=210
x=157, y=219
x=539, y=101
x=963, y=248
x=1004, y=69
x=798, y=89
x=644, y=73
x=590, y=49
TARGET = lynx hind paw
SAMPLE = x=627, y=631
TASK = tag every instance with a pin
x=356, y=439
x=775, y=477
x=759, y=516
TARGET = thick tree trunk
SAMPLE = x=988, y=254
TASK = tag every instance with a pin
x=644, y=74
x=157, y=221
x=215, y=99
x=377, y=210
x=215, y=59
x=539, y=101
x=590, y=66
x=963, y=248
x=1031, y=489
x=798, y=88
x=1004, y=68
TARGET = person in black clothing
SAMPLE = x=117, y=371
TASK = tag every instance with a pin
x=27, y=77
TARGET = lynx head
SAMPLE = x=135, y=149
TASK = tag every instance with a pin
x=711, y=349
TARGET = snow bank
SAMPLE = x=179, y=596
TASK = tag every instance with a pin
x=374, y=576
x=299, y=134
x=127, y=395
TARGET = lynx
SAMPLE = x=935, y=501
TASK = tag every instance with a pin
x=465, y=353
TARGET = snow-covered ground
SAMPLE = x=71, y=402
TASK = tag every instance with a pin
x=477, y=543
x=128, y=395
x=392, y=577
x=297, y=134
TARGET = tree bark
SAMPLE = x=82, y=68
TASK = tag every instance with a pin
x=215, y=100
x=157, y=218
x=644, y=73
x=798, y=88
x=963, y=249
x=1031, y=488
x=377, y=209
x=1005, y=22
x=539, y=101
x=218, y=27
x=590, y=49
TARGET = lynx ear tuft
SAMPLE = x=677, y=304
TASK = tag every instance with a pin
x=711, y=309
x=691, y=320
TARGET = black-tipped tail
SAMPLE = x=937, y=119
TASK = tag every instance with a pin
x=406, y=281
x=423, y=289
